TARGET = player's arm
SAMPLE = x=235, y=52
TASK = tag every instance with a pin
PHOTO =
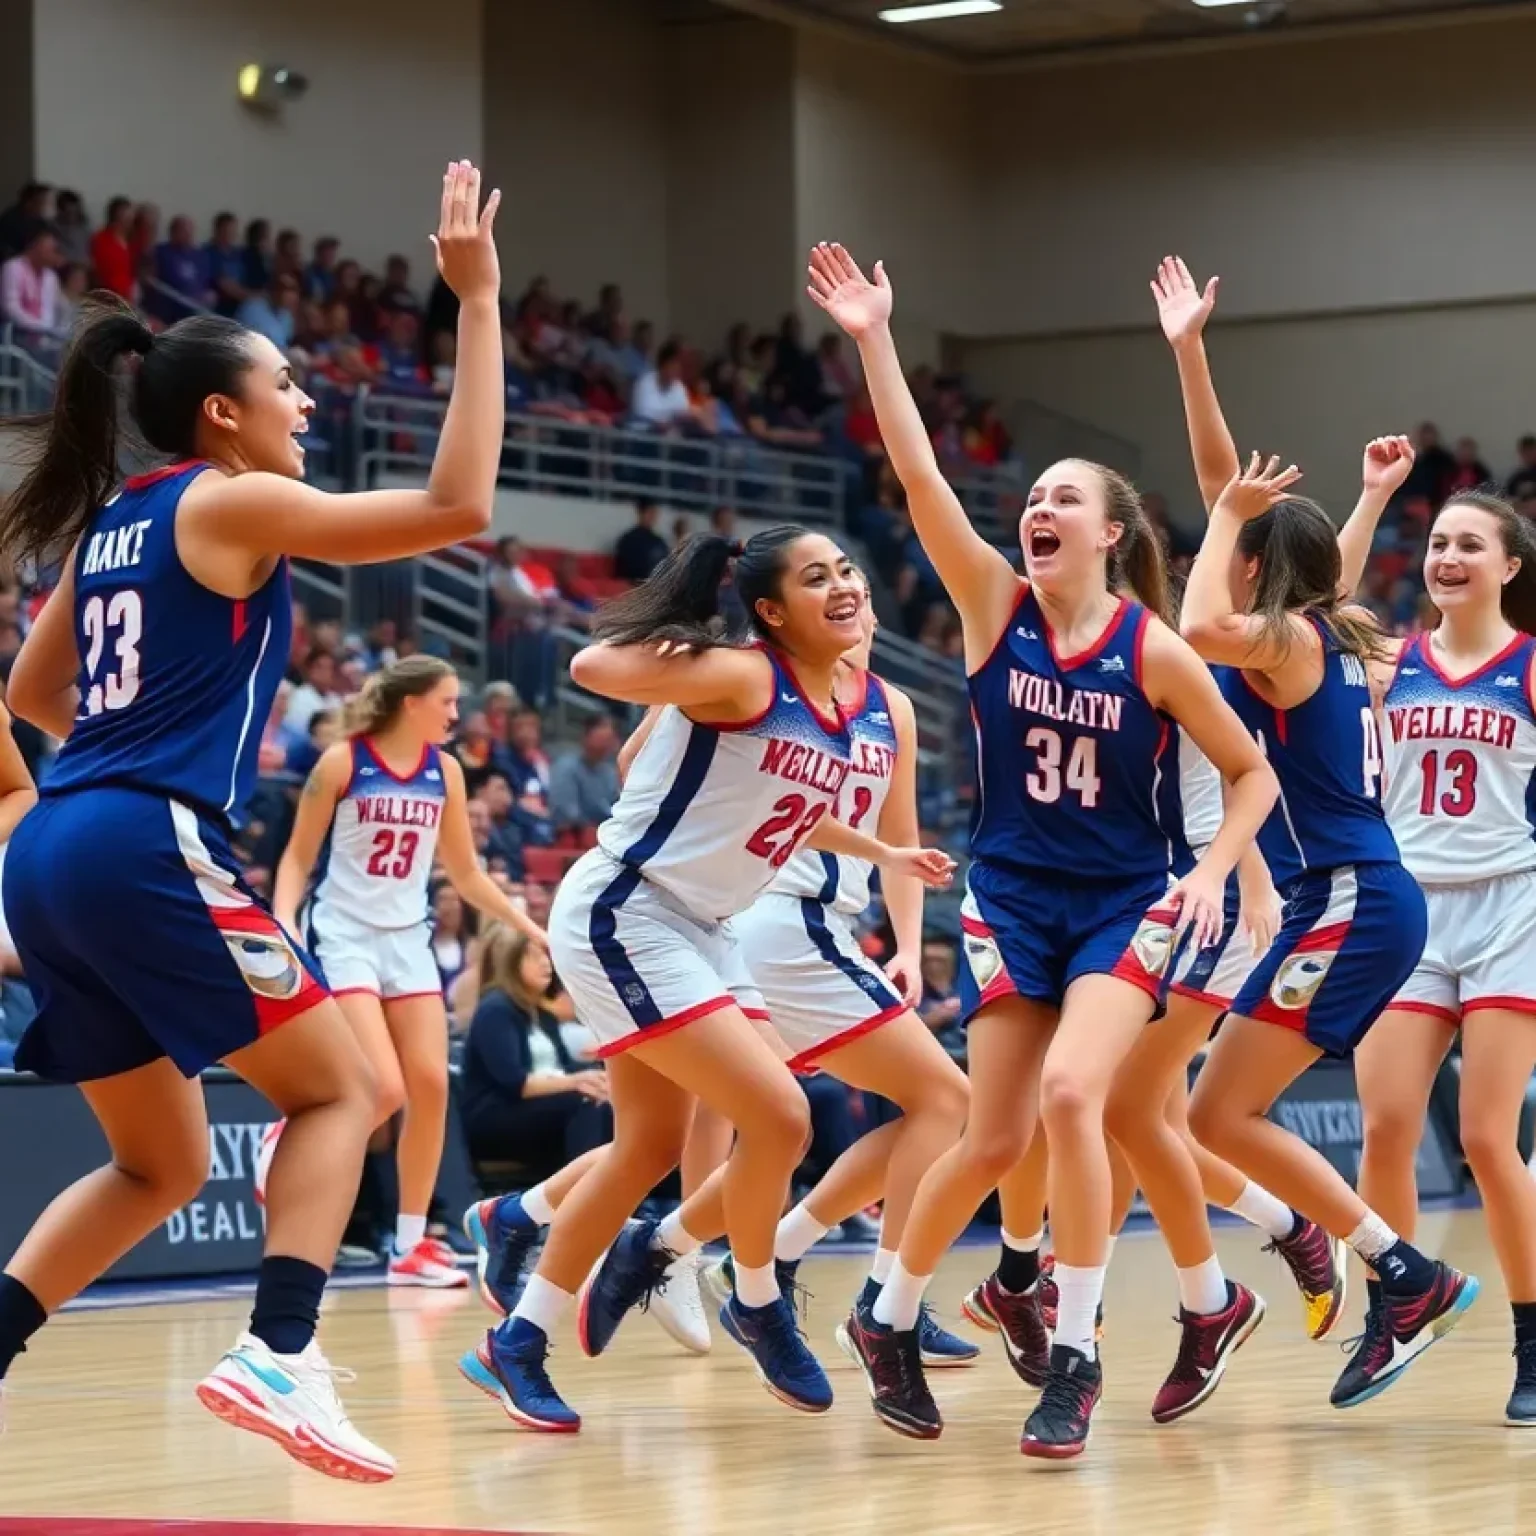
x=980, y=581
x=1208, y=619
x=724, y=683
x=323, y=789
x=44, y=686
x=898, y=827
x=1183, y=309
x=258, y=516
x=456, y=851
x=637, y=739
x=1388, y=461
x=18, y=794
x=1180, y=685
x=930, y=866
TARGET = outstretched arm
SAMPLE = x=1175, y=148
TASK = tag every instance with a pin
x=1183, y=310
x=1388, y=461
x=977, y=577
x=456, y=849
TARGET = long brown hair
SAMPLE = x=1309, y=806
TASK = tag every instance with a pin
x=501, y=967
x=1518, y=600
x=1137, y=563
x=378, y=704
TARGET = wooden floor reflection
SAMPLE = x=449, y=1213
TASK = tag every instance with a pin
x=102, y=1422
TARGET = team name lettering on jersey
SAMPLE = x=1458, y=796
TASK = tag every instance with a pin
x=1452, y=722
x=873, y=760
x=803, y=765
x=1076, y=706
x=399, y=811
x=115, y=549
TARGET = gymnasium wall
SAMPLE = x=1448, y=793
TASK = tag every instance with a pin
x=138, y=97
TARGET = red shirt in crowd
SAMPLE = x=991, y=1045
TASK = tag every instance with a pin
x=113, y=260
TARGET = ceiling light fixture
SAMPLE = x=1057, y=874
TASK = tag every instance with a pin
x=1213, y=5
x=943, y=10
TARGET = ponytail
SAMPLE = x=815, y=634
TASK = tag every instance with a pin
x=77, y=465
x=379, y=701
x=1137, y=563
x=1518, y=600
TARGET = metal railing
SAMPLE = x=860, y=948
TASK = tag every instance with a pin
x=26, y=380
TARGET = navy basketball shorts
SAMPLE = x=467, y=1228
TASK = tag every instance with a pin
x=140, y=940
x=1033, y=936
x=1350, y=939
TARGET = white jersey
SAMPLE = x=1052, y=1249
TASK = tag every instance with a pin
x=1460, y=765
x=382, y=844
x=834, y=881
x=1200, y=794
x=710, y=814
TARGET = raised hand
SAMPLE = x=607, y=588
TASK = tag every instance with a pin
x=1253, y=491
x=465, y=239
x=840, y=288
x=1181, y=306
x=1388, y=461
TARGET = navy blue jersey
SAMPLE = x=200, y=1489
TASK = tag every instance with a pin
x=176, y=681
x=1079, y=772
x=1326, y=753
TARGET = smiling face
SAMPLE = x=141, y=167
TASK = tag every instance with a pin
x=1466, y=566
x=1065, y=530
x=816, y=611
x=263, y=424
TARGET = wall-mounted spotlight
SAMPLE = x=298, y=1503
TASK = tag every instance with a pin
x=266, y=87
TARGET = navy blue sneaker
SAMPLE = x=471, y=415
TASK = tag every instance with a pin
x=629, y=1272
x=784, y=1364
x=505, y=1241
x=940, y=1347
x=509, y=1366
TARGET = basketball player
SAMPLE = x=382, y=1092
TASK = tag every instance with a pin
x=377, y=802
x=1077, y=694
x=1263, y=600
x=1460, y=760
x=742, y=770
x=158, y=657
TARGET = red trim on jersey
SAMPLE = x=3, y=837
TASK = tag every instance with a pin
x=834, y=726
x=155, y=476
x=1427, y=651
x=239, y=619
x=1328, y=937
x=373, y=752
x=650, y=1032
x=1002, y=985
x=757, y=719
x=1268, y=1011
x=372, y=992
x=1195, y=995
x=1511, y=1004
x=1071, y=663
x=408, y=997
x=975, y=927
x=761, y=1015
x=1432, y=1010
x=814, y=1054
x=1002, y=634
x=1530, y=682
x=258, y=922
x=856, y=706
x=1129, y=969
x=1137, y=646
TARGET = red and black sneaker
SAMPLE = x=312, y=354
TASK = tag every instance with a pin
x=1407, y=1326
x=892, y=1364
x=1017, y=1318
x=1058, y=1428
x=1317, y=1262
x=1209, y=1341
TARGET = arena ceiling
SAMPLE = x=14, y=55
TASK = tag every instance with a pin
x=1025, y=28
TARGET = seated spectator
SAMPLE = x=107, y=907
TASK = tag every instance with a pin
x=29, y=288
x=274, y=312
x=984, y=438
x=860, y=427
x=584, y=785
x=395, y=360
x=476, y=751
x=256, y=256
x=640, y=549
x=288, y=255
x=939, y=1007
x=324, y=731
x=397, y=294
x=578, y=601
x=527, y=759
x=1433, y=467
x=837, y=378
x=74, y=229
x=112, y=250
x=452, y=934
x=316, y=691
x=272, y=754
x=19, y=222
x=615, y=355
x=224, y=265
x=1522, y=484
x=510, y=828
x=661, y=398
x=181, y=267
x=337, y=354
x=320, y=274
x=143, y=237
x=775, y=420
x=1470, y=471
x=523, y=1096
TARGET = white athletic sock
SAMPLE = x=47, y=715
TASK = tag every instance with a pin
x=1203, y=1288
x=674, y=1236
x=1023, y=1244
x=901, y=1299
x=1371, y=1238
x=798, y=1233
x=756, y=1287
x=880, y=1270
x=409, y=1230
x=1080, y=1291
x=536, y=1206
x=1263, y=1210
x=542, y=1303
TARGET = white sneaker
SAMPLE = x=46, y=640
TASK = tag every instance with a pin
x=719, y=1279
x=422, y=1266
x=264, y=1155
x=292, y=1399
x=679, y=1308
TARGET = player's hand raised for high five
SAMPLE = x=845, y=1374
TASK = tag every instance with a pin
x=1388, y=463
x=840, y=288
x=465, y=240
x=1182, y=308
x=1253, y=491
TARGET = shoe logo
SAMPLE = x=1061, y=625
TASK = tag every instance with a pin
x=275, y=1379
x=1394, y=1267
x=366, y=772
x=1026, y=634
x=1112, y=664
x=1409, y=672
x=788, y=698
x=1506, y=681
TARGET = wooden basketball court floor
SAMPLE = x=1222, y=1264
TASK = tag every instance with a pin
x=106, y=1439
